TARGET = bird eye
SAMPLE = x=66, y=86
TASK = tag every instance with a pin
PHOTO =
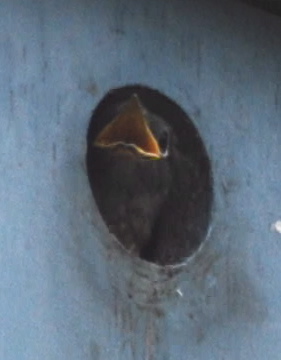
x=164, y=141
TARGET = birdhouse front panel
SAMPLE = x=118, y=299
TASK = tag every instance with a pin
x=148, y=228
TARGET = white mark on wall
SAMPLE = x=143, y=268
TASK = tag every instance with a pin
x=276, y=226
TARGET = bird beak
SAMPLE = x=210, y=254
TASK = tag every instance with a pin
x=130, y=128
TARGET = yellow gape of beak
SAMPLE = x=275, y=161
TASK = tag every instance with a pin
x=130, y=128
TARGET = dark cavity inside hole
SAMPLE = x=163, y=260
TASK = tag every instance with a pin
x=158, y=209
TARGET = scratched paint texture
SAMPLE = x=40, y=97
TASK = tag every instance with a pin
x=67, y=290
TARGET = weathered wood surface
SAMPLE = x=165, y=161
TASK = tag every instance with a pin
x=66, y=290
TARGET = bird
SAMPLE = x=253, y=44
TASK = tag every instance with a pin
x=147, y=189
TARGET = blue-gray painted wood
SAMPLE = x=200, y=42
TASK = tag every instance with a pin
x=67, y=290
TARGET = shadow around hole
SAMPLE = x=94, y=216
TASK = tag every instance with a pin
x=183, y=222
